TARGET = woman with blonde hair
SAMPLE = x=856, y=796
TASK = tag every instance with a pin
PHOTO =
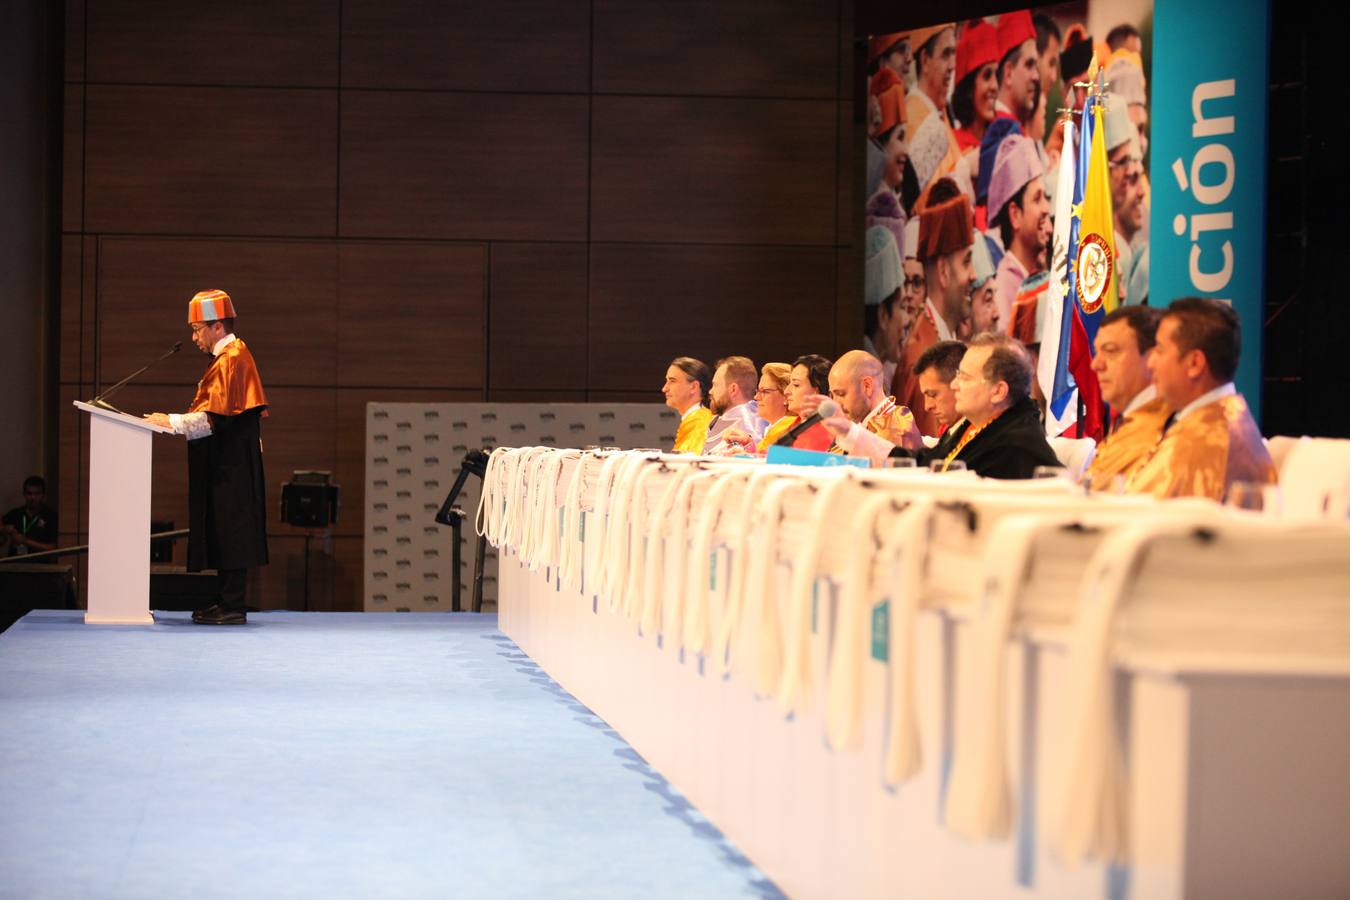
x=771, y=397
x=773, y=381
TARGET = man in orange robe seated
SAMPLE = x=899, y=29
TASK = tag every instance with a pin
x=1211, y=441
x=1124, y=340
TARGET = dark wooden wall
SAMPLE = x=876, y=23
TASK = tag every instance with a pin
x=418, y=200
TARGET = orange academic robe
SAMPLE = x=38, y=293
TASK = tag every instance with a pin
x=1128, y=444
x=693, y=431
x=1204, y=453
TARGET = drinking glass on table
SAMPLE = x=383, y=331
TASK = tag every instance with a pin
x=1254, y=496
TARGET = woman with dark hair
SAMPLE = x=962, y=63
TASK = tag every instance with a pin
x=810, y=375
x=976, y=92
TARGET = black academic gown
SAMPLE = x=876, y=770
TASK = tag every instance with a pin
x=1011, y=446
x=227, y=503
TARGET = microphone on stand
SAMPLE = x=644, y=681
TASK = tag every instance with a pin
x=826, y=409
x=101, y=400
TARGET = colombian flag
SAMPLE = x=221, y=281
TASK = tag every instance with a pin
x=1096, y=278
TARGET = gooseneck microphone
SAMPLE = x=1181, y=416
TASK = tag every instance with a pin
x=827, y=409
x=101, y=400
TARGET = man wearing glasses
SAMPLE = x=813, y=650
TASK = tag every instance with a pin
x=1001, y=436
x=226, y=500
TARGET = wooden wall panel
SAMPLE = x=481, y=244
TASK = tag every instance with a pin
x=299, y=433
x=243, y=42
x=71, y=323
x=74, y=40
x=849, y=177
x=464, y=166
x=510, y=45
x=280, y=583
x=538, y=316
x=778, y=48
x=350, y=419
x=412, y=315
x=848, y=318
x=68, y=488
x=284, y=291
x=713, y=170
x=650, y=304
x=72, y=162
x=88, y=309
x=220, y=161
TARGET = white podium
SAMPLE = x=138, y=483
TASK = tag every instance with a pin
x=119, y=517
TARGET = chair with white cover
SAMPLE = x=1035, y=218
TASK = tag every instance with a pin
x=1074, y=454
x=1314, y=476
x=1245, y=595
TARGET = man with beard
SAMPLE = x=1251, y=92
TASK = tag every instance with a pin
x=1019, y=207
x=944, y=246
x=856, y=385
x=732, y=399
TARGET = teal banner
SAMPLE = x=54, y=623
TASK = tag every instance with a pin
x=1208, y=162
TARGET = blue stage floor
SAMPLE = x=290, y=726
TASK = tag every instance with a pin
x=325, y=755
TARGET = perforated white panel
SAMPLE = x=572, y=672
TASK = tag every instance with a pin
x=413, y=454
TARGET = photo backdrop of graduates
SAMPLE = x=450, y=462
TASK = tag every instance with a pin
x=991, y=109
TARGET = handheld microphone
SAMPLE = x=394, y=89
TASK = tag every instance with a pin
x=101, y=400
x=827, y=409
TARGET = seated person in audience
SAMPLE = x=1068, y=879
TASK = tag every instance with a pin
x=1124, y=340
x=935, y=370
x=857, y=384
x=30, y=528
x=733, y=403
x=1001, y=436
x=771, y=395
x=686, y=388
x=808, y=382
x=1211, y=441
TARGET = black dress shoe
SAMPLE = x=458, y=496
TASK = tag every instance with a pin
x=214, y=609
x=219, y=615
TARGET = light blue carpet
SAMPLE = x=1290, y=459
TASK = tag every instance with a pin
x=325, y=755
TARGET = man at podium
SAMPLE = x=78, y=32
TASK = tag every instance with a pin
x=226, y=500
